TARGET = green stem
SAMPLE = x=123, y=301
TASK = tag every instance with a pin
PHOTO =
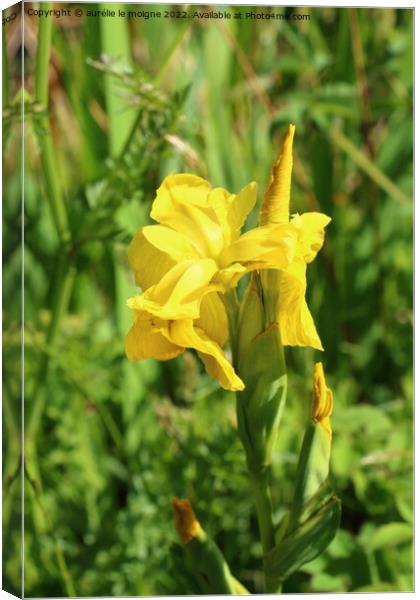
x=64, y=284
x=261, y=489
x=5, y=73
x=260, y=406
x=64, y=274
x=130, y=136
x=260, y=483
x=52, y=183
x=43, y=57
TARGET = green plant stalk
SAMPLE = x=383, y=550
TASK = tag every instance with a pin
x=64, y=274
x=115, y=43
x=261, y=489
x=5, y=72
x=259, y=478
x=43, y=57
x=260, y=483
x=49, y=166
x=53, y=188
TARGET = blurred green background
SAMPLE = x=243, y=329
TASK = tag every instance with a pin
x=110, y=442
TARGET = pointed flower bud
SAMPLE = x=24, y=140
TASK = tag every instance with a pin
x=285, y=289
x=185, y=520
x=322, y=400
x=314, y=460
x=204, y=558
x=275, y=208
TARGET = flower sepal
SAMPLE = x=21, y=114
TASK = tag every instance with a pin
x=304, y=543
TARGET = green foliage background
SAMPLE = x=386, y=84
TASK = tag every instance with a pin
x=130, y=101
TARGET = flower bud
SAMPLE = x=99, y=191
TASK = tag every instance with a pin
x=314, y=459
x=204, y=558
x=322, y=402
x=185, y=521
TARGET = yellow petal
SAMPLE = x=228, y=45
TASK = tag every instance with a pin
x=147, y=262
x=179, y=294
x=232, y=209
x=219, y=368
x=213, y=318
x=182, y=203
x=229, y=276
x=174, y=244
x=178, y=189
x=270, y=245
x=275, y=208
x=219, y=199
x=143, y=341
x=311, y=234
x=297, y=327
x=240, y=207
x=183, y=333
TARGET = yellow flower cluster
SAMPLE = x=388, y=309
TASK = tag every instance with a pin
x=197, y=252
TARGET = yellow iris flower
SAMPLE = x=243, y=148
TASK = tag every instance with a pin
x=297, y=327
x=161, y=334
x=195, y=252
x=199, y=228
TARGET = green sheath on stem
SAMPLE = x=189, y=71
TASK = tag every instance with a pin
x=209, y=564
x=260, y=364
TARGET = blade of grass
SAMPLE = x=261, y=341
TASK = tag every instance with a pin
x=115, y=43
x=362, y=161
x=177, y=41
